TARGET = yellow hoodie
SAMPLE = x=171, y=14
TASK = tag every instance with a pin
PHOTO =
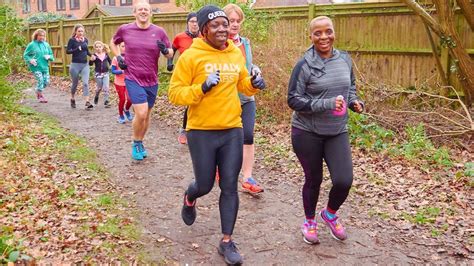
x=220, y=107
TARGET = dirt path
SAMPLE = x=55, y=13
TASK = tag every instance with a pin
x=267, y=229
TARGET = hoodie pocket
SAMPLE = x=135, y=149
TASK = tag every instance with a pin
x=315, y=72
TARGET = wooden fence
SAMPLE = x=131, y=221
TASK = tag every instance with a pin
x=388, y=41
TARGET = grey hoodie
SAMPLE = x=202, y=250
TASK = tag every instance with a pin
x=314, y=85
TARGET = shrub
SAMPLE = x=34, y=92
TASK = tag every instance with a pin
x=12, y=44
x=44, y=17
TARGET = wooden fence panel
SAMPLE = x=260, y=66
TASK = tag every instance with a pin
x=388, y=42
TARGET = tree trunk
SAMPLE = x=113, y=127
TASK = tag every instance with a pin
x=465, y=66
x=450, y=38
x=468, y=11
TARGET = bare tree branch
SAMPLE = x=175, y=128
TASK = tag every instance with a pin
x=424, y=15
x=434, y=113
x=455, y=45
x=449, y=37
x=468, y=11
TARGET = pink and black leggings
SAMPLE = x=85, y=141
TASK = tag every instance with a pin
x=311, y=149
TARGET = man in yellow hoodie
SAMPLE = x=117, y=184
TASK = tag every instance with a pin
x=208, y=78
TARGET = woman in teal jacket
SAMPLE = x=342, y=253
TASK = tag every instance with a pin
x=37, y=55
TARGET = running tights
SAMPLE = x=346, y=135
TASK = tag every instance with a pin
x=311, y=149
x=222, y=149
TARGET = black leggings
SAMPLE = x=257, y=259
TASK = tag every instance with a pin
x=185, y=118
x=248, y=121
x=222, y=148
x=311, y=149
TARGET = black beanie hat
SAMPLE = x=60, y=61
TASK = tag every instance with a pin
x=190, y=16
x=208, y=13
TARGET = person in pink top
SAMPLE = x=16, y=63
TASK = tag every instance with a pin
x=144, y=41
x=124, y=103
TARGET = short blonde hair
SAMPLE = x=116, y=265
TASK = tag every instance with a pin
x=312, y=24
x=139, y=3
x=228, y=9
x=106, y=47
x=37, y=32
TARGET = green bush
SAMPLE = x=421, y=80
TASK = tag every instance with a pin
x=369, y=135
x=8, y=95
x=415, y=146
x=256, y=25
x=10, y=247
x=12, y=44
x=42, y=17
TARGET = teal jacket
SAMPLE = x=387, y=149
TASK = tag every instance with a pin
x=37, y=50
x=248, y=63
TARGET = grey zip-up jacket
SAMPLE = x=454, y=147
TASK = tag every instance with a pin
x=314, y=85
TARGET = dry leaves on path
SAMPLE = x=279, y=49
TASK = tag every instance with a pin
x=56, y=203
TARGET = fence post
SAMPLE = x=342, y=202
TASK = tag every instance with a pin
x=101, y=29
x=61, y=43
x=311, y=7
x=50, y=66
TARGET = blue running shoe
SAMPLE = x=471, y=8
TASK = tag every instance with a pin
x=121, y=120
x=136, y=151
x=143, y=151
x=129, y=116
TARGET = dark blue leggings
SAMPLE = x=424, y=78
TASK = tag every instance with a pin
x=311, y=149
x=185, y=117
x=217, y=148
x=248, y=121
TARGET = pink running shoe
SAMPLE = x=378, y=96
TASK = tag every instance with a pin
x=337, y=230
x=309, y=229
x=42, y=99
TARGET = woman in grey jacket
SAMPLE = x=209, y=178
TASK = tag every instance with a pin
x=321, y=84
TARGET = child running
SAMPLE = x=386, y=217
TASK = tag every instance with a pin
x=207, y=78
x=101, y=60
x=37, y=55
x=124, y=103
x=320, y=85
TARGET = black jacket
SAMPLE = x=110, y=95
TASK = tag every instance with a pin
x=101, y=66
x=78, y=56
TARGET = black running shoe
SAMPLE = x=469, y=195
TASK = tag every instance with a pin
x=96, y=99
x=230, y=252
x=188, y=213
x=107, y=104
x=73, y=103
x=89, y=106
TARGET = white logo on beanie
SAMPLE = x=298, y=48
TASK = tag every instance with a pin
x=216, y=14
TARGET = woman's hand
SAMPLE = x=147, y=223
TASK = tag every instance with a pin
x=33, y=62
x=93, y=57
x=358, y=107
x=339, y=103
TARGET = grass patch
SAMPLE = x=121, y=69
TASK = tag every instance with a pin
x=423, y=216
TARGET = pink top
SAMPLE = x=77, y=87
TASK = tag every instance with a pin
x=142, y=51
